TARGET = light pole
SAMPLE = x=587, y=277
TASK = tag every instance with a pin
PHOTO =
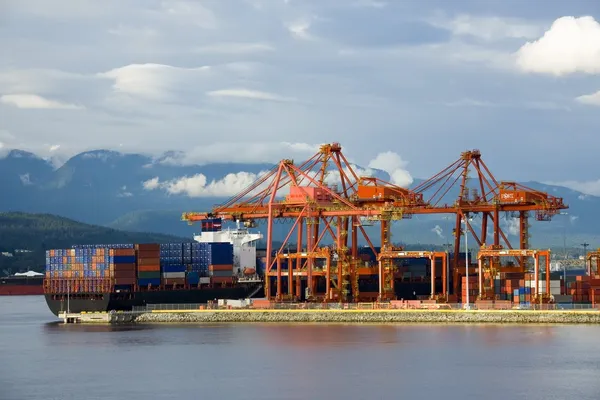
x=464, y=221
x=587, y=267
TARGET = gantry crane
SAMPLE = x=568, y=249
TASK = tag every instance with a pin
x=304, y=194
x=488, y=198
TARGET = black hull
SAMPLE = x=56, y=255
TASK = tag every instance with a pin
x=126, y=301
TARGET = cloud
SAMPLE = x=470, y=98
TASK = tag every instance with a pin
x=33, y=101
x=299, y=29
x=150, y=81
x=488, y=28
x=590, y=99
x=198, y=185
x=235, y=48
x=438, y=231
x=585, y=187
x=25, y=179
x=570, y=45
x=151, y=184
x=512, y=226
x=394, y=165
x=241, y=152
x=249, y=94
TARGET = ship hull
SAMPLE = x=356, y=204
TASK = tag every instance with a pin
x=21, y=286
x=21, y=290
x=126, y=301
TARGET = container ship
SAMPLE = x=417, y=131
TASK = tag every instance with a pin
x=218, y=264
x=22, y=284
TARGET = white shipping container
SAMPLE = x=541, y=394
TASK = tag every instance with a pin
x=173, y=275
x=204, y=280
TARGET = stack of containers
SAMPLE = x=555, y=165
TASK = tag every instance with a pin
x=148, y=264
x=82, y=269
x=124, y=267
x=220, y=262
x=171, y=264
x=198, y=267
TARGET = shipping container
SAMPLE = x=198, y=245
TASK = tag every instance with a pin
x=149, y=281
x=148, y=274
x=174, y=275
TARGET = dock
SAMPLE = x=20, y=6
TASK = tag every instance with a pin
x=98, y=317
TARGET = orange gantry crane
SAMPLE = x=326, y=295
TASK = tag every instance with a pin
x=324, y=197
x=488, y=198
x=321, y=197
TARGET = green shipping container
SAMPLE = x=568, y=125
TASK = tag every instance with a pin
x=148, y=274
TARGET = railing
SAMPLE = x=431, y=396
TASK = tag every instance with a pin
x=367, y=306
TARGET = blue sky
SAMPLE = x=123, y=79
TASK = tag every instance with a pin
x=518, y=80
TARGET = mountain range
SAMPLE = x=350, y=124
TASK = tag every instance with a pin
x=135, y=192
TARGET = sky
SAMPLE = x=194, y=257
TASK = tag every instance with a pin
x=405, y=86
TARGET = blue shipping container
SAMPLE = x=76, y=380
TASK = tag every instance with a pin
x=124, y=259
x=149, y=281
x=173, y=268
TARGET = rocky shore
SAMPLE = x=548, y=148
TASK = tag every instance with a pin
x=373, y=316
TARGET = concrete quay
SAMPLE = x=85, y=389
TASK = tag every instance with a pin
x=371, y=316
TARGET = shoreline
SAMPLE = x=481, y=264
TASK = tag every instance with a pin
x=370, y=316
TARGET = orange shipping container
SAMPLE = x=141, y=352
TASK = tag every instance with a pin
x=149, y=268
x=124, y=252
x=148, y=261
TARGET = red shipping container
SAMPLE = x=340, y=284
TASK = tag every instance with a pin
x=125, y=274
x=124, y=267
x=147, y=246
x=148, y=254
x=124, y=281
x=221, y=267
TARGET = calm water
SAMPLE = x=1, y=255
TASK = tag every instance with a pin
x=41, y=359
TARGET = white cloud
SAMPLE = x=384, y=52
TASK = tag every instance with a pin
x=488, y=28
x=249, y=94
x=150, y=81
x=241, y=152
x=235, y=48
x=333, y=176
x=590, y=99
x=33, y=101
x=198, y=185
x=438, y=231
x=25, y=179
x=394, y=165
x=512, y=226
x=570, y=45
x=151, y=184
x=585, y=187
x=299, y=29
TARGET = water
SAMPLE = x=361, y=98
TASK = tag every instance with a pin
x=41, y=359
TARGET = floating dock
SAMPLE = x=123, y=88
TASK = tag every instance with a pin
x=98, y=317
